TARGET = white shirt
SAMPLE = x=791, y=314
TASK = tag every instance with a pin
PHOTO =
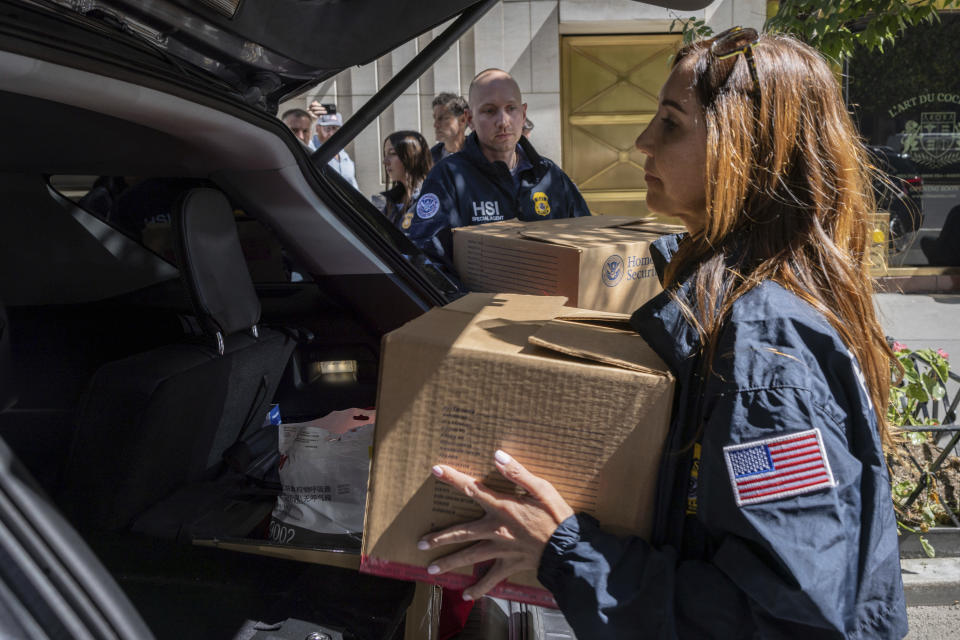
x=342, y=163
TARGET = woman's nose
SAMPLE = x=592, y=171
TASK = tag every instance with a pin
x=639, y=143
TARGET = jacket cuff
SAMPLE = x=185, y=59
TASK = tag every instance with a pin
x=563, y=542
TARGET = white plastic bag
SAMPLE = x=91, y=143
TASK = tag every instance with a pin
x=323, y=472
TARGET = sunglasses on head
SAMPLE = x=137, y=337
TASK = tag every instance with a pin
x=732, y=43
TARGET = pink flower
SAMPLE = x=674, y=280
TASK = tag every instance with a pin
x=898, y=346
x=943, y=354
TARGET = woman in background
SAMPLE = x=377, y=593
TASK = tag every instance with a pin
x=406, y=161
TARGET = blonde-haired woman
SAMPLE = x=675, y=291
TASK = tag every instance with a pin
x=773, y=516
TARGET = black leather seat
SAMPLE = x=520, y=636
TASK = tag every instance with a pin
x=155, y=421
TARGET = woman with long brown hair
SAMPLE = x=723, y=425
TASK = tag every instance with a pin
x=773, y=515
x=406, y=161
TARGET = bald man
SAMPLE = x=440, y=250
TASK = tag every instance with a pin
x=496, y=176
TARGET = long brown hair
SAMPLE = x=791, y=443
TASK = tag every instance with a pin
x=414, y=154
x=788, y=195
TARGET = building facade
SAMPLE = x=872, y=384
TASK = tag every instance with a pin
x=589, y=71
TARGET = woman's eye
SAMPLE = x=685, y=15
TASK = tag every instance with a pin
x=668, y=124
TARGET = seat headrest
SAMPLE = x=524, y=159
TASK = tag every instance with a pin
x=212, y=264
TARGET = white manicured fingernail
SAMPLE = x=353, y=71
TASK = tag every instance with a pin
x=467, y=597
x=437, y=470
x=423, y=545
x=502, y=456
x=433, y=569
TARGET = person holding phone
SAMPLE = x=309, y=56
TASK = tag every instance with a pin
x=328, y=122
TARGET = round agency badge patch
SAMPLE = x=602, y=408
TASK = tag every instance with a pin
x=427, y=206
x=612, y=271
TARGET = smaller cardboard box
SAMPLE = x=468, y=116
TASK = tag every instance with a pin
x=576, y=396
x=601, y=263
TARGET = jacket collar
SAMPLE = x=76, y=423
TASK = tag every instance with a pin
x=471, y=149
x=661, y=322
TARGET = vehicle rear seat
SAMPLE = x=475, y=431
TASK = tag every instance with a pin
x=157, y=420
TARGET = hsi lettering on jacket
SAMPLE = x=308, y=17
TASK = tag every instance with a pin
x=486, y=211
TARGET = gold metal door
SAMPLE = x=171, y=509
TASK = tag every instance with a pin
x=609, y=94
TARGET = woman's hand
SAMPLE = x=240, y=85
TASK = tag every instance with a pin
x=513, y=532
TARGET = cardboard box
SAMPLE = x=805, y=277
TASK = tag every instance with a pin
x=596, y=262
x=576, y=396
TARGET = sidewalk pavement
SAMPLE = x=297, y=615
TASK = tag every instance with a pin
x=933, y=623
x=928, y=321
x=922, y=320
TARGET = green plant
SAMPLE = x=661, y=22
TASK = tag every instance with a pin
x=918, y=386
x=691, y=29
x=838, y=27
x=924, y=378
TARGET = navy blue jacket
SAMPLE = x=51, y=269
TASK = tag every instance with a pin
x=727, y=560
x=436, y=152
x=465, y=188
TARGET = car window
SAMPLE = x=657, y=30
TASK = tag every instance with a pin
x=44, y=231
x=142, y=209
x=906, y=99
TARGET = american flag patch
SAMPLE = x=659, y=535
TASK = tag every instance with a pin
x=778, y=468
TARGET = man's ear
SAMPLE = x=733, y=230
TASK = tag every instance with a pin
x=524, y=111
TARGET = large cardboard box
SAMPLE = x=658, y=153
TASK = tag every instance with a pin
x=576, y=396
x=596, y=262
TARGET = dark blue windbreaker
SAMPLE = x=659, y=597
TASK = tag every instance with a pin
x=734, y=554
x=465, y=188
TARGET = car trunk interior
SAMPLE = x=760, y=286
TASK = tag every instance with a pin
x=87, y=295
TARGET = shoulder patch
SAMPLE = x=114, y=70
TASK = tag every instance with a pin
x=428, y=205
x=777, y=468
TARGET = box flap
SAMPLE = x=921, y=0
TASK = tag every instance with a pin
x=503, y=229
x=497, y=323
x=510, y=306
x=587, y=315
x=599, y=232
x=651, y=225
x=606, y=343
